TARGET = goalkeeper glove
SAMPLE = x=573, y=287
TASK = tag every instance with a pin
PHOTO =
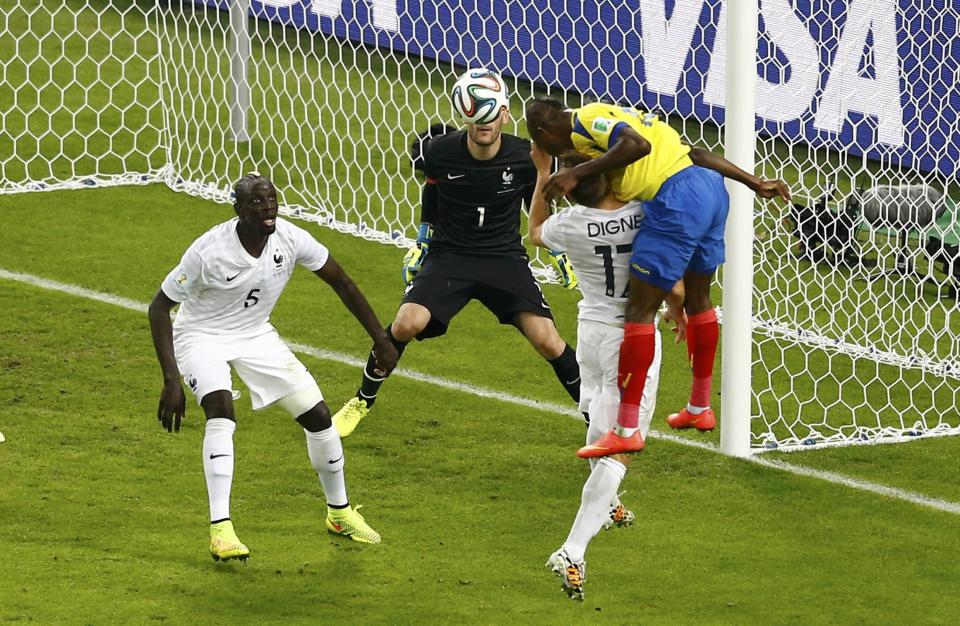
x=413, y=259
x=563, y=267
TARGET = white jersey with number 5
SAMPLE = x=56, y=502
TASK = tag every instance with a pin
x=599, y=244
x=223, y=290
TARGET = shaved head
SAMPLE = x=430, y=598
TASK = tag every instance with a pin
x=542, y=111
x=243, y=188
x=548, y=122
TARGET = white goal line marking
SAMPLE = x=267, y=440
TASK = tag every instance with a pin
x=799, y=470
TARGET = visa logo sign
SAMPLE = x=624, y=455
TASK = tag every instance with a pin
x=873, y=78
x=802, y=84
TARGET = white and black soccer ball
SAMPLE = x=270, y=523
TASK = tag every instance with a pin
x=479, y=96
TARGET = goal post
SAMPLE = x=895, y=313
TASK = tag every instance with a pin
x=239, y=69
x=740, y=141
x=840, y=317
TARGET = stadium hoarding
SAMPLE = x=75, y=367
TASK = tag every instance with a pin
x=868, y=77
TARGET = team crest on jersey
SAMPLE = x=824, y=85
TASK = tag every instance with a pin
x=182, y=278
x=601, y=124
x=277, y=263
x=507, y=177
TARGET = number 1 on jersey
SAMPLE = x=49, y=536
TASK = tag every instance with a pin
x=482, y=210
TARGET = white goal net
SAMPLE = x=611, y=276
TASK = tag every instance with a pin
x=856, y=327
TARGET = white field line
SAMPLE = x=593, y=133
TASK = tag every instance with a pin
x=799, y=470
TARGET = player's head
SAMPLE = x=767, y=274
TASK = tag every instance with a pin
x=548, y=122
x=489, y=133
x=591, y=190
x=481, y=101
x=255, y=201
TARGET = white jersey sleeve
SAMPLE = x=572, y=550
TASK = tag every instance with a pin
x=599, y=244
x=311, y=254
x=553, y=232
x=186, y=278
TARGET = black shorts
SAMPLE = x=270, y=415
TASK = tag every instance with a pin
x=448, y=281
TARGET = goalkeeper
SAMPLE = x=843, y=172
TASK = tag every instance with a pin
x=469, y=248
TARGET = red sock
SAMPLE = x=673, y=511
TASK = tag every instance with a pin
x=702, y=334
x=636, y=355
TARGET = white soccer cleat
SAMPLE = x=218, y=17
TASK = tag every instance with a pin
x=620, y=517
x=571, y=574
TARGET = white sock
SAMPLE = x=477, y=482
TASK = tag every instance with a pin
x=218, y=465
x=696, y=410
x=326, y=456
x=598, y=492
x=604, y=409
x=616, y=497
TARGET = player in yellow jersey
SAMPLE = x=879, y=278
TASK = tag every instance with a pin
x=685, y=205
x=597, y=128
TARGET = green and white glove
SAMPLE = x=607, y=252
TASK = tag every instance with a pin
x=413, y=259
x=560, y=262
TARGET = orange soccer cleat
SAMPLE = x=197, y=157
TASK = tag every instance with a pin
x=612, y=443
x=685, y=419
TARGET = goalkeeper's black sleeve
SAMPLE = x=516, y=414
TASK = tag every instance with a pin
x=428, y=204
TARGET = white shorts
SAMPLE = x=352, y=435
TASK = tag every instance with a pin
x=264, y=363
x=598, y=354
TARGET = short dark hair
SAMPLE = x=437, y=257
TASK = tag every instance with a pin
x=541, y=111
x=243, y=188
x=591, y=189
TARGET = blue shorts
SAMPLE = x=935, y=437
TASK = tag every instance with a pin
x=682, y=228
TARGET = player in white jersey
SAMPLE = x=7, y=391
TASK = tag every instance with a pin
x=597, y=234
x=227, y=284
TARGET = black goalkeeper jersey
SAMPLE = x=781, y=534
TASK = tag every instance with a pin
x=479, y=202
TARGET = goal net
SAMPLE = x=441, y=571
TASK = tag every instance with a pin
x=856, y=327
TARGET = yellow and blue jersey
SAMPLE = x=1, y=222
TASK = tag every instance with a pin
x=596, y=127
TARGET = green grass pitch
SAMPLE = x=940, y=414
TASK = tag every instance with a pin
x=105, y=514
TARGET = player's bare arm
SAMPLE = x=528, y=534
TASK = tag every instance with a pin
x=172, y=400
x=763, y=188
x=356, y=303
x=628, y=147
x=539, y=209
x=675, y=313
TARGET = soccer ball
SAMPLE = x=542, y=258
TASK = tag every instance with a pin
x=479, y=96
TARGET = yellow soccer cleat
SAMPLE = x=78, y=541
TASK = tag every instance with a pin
x=349, y=523
x=224, y=544
x=347, y=418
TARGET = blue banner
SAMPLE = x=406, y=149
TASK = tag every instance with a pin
x=868, y=77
